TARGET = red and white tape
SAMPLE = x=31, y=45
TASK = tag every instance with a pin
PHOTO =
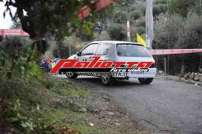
x=174, y=51
x=13, y=32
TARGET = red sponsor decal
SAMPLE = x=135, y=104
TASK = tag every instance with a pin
x=97, y=63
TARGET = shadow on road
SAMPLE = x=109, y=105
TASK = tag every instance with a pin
x=96, y=82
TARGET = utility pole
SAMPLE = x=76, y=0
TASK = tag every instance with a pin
x=149, y=23
x=128, y=24
x=128, y=30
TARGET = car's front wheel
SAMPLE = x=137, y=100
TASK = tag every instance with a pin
x=71, y=75
x=145, y=80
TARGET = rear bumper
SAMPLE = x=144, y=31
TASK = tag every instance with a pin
x=150, y=73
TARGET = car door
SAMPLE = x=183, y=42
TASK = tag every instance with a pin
x=88, y=52
x=105, y=51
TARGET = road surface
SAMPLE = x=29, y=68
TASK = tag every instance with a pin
x=166, y=105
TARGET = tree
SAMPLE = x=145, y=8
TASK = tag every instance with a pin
x=181, y=7
x=167, y=31
x=39, y=17
x=116, y=32
x=175, y=31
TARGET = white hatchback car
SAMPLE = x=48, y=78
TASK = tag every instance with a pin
x=116, y=52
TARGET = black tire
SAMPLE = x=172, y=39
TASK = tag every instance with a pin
x=71, y=75
x=145, y=81
x=106, y=79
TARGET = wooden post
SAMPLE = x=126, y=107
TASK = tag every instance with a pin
x=165, y=65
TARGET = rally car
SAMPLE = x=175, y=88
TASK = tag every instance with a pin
x=113, y=60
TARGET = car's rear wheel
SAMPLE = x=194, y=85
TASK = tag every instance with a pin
x=106, y=79
x=71, y=75
x=145, y=80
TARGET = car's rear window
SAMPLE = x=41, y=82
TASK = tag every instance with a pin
x=131, y=50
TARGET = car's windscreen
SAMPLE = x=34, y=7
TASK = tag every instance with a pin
x=131, y=50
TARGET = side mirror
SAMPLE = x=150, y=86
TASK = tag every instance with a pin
x=78, y=54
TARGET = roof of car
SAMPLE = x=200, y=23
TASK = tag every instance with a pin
x=114, y=42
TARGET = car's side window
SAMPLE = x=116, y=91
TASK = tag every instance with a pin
x=89, y=50
x=103, y=49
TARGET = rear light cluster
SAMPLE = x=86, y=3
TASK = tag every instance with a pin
x=153, y=65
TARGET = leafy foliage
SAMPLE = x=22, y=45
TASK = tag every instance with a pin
x=116, y=32
x=40, y=17
x=18, y=60
x=182, y=7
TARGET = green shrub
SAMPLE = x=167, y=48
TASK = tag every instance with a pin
x=116, y=32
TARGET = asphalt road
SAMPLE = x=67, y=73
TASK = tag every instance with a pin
x=166, y=105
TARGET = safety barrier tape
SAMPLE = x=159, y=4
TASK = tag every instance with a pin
x=13, y=32
x=174, y=51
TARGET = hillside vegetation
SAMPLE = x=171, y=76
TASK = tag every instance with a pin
x=178, y=24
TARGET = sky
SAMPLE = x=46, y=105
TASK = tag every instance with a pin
x=5, y=23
